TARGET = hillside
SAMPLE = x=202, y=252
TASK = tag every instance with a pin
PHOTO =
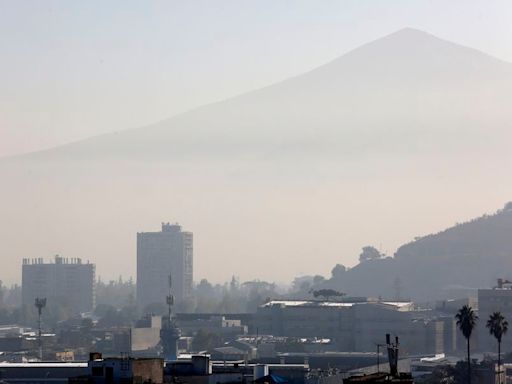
x=488, y=235
x=392, y=139
x=447, y=264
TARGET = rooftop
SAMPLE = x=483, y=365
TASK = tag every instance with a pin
x=315, y=303
x=45, y=365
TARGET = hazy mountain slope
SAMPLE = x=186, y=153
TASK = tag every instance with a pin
x=447, y=264
x=406, y=93
x=401, y=136
x=487, y=236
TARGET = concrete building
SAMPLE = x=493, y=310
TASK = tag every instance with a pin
x=36, y=373
x=492, y=300
x=97, y=370
x=66, y=282
x=145, y=336
x=160, y=254
x=353, y=326
x=227, y=328
x=124, y=370
x=199, y=369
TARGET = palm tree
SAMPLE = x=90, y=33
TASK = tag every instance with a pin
x=466, y=321
x=498, y=326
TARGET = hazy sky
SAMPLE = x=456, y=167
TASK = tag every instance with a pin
x=72, y=69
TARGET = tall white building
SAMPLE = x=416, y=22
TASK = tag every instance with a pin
x=65, y=282
x=160, y=254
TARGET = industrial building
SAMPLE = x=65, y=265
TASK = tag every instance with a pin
x=65, y=282
x=356, y=326
x=220, y=324
x=160, y=254
x=97, y=370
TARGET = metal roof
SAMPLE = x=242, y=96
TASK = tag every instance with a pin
x=45, y=365
x=313, y=303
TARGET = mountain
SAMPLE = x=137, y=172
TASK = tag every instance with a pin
x=449, y=264
x=408, y=92
x=400, y=136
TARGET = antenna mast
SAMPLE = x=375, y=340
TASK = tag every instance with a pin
x=170, y=299
x=40, y=303
x=169, y=334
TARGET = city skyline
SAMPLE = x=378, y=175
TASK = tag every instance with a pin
x=235, y=192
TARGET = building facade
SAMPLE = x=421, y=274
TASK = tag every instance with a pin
x=65, y=282
x=353, y=326
x=497, y=299
x=160, y=254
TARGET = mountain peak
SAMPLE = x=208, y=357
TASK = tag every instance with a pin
x=410, y=49
x=411, y=31
x=407, y=36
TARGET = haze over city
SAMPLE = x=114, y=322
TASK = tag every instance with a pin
x=255, y=192
x=369, y=147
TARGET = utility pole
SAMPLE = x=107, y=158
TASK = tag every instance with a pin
x=40, y=303
x=378, y=355
x=170, y=300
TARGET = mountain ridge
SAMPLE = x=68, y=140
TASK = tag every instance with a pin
x=407, y=37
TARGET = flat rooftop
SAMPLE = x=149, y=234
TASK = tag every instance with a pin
x=341, y=304
x=45, y=365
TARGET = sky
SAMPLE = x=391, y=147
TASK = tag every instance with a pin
x=74, y=69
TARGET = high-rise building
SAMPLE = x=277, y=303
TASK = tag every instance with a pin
x=65, y=282
x=160, y=254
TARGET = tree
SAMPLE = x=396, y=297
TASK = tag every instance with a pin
x=117, y=293
x=302, y=285
x=498, y=326
x=338, y=271
x=369, y=253
x=327, y=293
x=205, y=340
x=234, y=286
x=444, y=374
x=466, y=321
x=86, y=327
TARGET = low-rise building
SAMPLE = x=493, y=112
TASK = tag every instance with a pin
x=200, y=369
x=219, y=324
x=125, y=370
x=353, y=326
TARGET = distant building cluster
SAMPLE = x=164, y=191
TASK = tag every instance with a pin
x=300, y=340
x=70, y=283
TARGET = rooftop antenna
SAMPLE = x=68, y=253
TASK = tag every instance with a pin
x=378, y=355
x=40, y=303
x=170, y=299
x=170, y=334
